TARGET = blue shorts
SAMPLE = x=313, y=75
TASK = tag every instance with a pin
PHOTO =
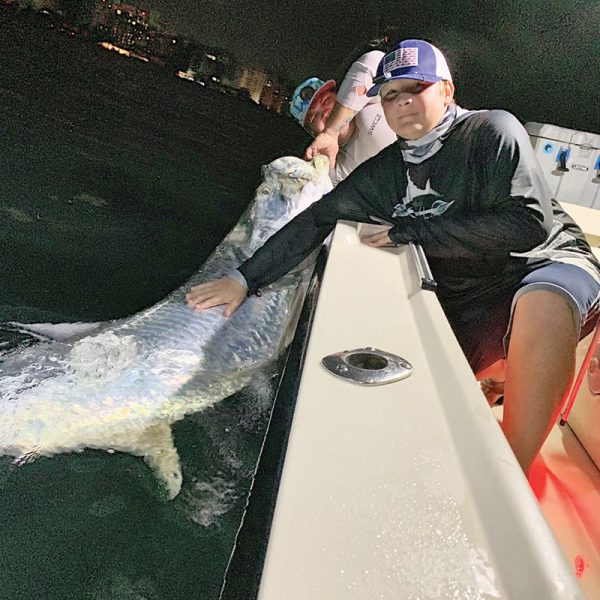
x=484, y=334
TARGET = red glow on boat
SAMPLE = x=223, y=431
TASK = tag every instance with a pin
x=538, y=477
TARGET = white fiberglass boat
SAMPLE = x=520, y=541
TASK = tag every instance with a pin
x=409, y=490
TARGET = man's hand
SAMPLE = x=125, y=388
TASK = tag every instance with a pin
x=325, y=143
x=379, y=240
x=220, y=291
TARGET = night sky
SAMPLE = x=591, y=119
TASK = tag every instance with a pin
x=539, y=58
x=315, y=35
x=294, y=38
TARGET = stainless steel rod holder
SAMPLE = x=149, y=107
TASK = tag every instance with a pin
x=427, y=281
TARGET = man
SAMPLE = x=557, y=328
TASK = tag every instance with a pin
x=349, y=127
x=516, y=278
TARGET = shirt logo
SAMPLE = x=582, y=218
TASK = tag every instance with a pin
x=374, y=123
x=419, y=202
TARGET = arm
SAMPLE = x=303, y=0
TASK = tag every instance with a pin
x=337, y=132
x=507, y=229
x=282, y=251
x=351, y=99
x=341, y=123
x=294, y=242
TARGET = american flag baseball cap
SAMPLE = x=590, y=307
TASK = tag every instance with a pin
x=411, y=59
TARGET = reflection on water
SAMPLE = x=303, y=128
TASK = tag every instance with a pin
x=118, y=178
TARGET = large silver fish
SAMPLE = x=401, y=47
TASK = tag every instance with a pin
x=122, y=387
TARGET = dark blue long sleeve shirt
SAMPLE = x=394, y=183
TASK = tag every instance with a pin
x=480, y=199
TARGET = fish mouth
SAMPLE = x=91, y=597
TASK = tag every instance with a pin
x=321, y=163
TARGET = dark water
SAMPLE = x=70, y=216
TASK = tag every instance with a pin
x=118, y=180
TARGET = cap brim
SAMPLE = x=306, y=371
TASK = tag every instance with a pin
x=327, y=87
x=374, y=91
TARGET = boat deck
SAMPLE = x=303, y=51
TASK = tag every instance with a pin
x=567, y=485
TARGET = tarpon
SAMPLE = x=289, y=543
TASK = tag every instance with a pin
x=121, y=387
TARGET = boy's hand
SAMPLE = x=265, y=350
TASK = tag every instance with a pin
x=379, y=240
x=213, y=293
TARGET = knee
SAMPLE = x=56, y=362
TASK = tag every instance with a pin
x=547, y=312
x=545, y=306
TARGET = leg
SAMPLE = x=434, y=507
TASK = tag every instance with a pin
x=496, y=371
x=539, y=369
x=480, y=333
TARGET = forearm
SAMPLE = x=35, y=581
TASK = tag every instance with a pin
x=283, y=251
x=338, y=121
x=294, y=242
x=511, y=228
x=338, y=130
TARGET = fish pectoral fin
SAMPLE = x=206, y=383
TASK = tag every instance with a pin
x=155, y=445
x=61, y=332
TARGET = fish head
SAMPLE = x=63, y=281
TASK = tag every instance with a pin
x=284, y=192
x=269, y=207
x=292, y=173
x=295, y=179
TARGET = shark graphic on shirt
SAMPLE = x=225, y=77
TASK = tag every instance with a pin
x=421, y=202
